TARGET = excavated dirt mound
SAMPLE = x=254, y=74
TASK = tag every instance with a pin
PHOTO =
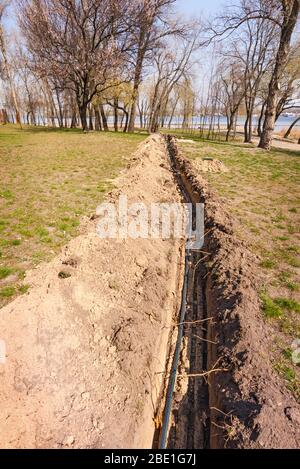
x=250, y=406
x=86, y=344
x=210, y=166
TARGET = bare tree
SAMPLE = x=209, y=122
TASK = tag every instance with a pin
x=283, y=14
x=152, y=23
x=76, y=43
x=257, y=61
x=171, y=68
x=234, y=92
x=289, y=89
x=288, y=19
x=6, y=65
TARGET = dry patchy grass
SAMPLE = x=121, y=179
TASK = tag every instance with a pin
x=295, y=133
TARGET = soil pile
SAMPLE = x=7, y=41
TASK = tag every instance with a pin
x=249, y=403
x=208, y=165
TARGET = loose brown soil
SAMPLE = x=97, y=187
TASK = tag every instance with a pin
x=210, y=166
x=250, y=406
x=87, y=346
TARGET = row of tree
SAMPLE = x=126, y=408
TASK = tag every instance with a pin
x=97, y=63
x=79, y=56
x=259, y=68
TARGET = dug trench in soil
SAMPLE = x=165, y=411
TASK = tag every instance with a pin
x=187, y=397
x=90, y=345
x=246, y=405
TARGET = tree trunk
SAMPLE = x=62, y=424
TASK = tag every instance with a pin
x=98, y=126
x=260, y=120
x=250, y=125
x=136, y=85
x=51, y=109
x=10, y=79
x=60, y=111
x=83, y=116
x=286, y=135
x=31, y=106
x=126, y=121
x=230, y=126
x=155, y=119
x=116, y=115
x=5, y=117
x=141, y=119
x=73, y=121
x=287, y=29
x=104, y=120
x=246, y=129
x=91, y=125
x=137, y=78
x=141, y=110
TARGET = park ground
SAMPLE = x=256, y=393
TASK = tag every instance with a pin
x=51, y=179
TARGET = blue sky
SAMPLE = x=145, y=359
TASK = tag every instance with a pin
x=191, y=7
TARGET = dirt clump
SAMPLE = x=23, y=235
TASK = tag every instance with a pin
x=210, y=165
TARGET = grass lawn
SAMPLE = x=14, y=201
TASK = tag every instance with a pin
x=49, y=179
x=262, y=191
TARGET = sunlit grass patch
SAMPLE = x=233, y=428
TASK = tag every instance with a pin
x=288, y=304
x=7, y=292
x=5, y=272
x=289, y=375
x=270, y=308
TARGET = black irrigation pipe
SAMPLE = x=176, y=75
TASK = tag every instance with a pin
x=183, y=309
x=172, y=382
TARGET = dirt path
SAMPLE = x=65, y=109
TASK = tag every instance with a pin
x=281, y=144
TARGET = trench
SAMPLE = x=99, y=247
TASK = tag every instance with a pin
x=186, y=416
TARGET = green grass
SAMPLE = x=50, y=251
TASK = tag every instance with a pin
x=7, y=292
x=288, y=304
x=6, y=194
x=270, y=308
x=23, y=289
x=285, y=280
x=268, y=264
x=50, y=178
x=290, y=376
x=5, y=272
